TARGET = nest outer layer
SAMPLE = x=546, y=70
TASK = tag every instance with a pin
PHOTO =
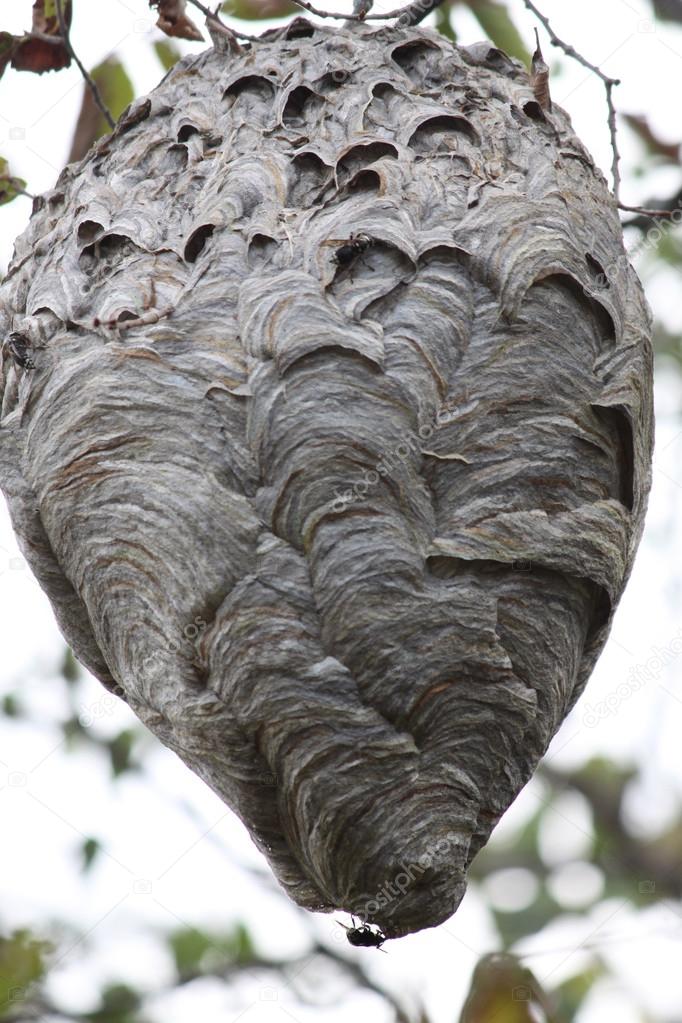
x=347, y=534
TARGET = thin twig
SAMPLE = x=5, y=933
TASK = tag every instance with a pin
x=644, y=212
x=609, y=83
x=611, y=120
x=412, y=14
x=569, y=50
x=326, y=14
x=213, y=16
x=92, y=85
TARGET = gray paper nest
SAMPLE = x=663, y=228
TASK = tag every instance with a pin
x=347, y=538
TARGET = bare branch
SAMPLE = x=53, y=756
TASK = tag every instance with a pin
x=611, y=120
x=410, y=15
x=609, y=83
x=644, y=212
x=569, y=50
x=214, y=16
x=327, y=14
x=92, y=85
x=413, y=13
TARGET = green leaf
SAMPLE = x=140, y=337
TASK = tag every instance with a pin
x=10, y=187
x=444, y=22
x=115, y=87
x=495, y=21
x=119, y=752
x=11, y=707
x=188, y=946
x=7, y=44
x=503, y=990
x=257, y=10
x=22, y=963
x=117, y=93
x=198, y=952
x=118, y=1004
x=73, y=731
x=69, y=668
x=167, y=53
x=89, y=850
x=570, y=995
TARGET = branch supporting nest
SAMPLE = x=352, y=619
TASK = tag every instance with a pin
x=609, y=84
x=413, y=14
x=89, y=80
x=215, y=17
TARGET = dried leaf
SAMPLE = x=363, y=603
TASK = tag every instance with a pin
x=42, y=48
x=45, y=18
x=539, y=77
x=174, y=21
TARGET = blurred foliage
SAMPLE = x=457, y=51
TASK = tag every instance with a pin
x=167, y=53
x=257, y=10
x=22, y=963
x=89, y=849
x=497, y=24
x=119, y=1003
x=10, y=186
x=116, y=90
x=120, y=752
x=70, y=668
x=198, y=953
x=503, y=990
x=444, y=21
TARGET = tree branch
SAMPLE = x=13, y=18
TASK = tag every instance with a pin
x=412, y=14
x=609, y=83
x=214, y=16
x=90, y=82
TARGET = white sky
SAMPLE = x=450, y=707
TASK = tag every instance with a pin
x=49, y=800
